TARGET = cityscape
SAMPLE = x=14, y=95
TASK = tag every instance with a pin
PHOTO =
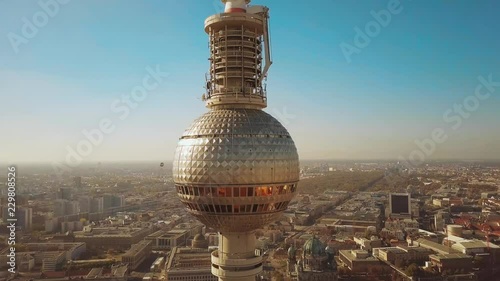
x=243, y=189
x=349, y=221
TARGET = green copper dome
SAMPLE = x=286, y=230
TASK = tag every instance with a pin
x=291, y=252
x=314, y=247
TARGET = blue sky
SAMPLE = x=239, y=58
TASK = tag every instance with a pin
x=392, y=93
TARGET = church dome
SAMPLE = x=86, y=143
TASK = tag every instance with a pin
x=329, y=250
x=314, y=247
x=199, y=237
x=199, y=242
x=291, y=252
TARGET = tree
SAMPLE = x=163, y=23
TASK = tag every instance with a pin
x=21, y=247
x=276, y=276
x=368, y=233
x=36, y=234
x=412, y=270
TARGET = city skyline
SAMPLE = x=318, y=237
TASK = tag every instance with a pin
x=367, y=105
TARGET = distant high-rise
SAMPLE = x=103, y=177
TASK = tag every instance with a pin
x=112, y=201
x=78, y=182
x=65, y=193
x=85, y=203
x=66, y=207
x=24, y=218
x=89, y=204
x=97, y=205
x=400, y=204
x=236, y=168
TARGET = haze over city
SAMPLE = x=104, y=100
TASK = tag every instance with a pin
x=374, y=103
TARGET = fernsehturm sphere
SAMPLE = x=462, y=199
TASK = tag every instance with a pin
x=236, y=167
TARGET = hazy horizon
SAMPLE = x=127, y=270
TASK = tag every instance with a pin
x=332, y=161
x=375, y=104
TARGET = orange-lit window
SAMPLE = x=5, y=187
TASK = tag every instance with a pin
x=221, y=192
x=269, y=190
x=224, y=192
x=280, y=189
x=258, y=191
x=261, y=191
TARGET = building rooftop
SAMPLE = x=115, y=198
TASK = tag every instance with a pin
x=472, y=244
x=137, y=248
x=395, y=250
x=53, y=246
x=110, y=232
x=188, y=259
x=119, y=271
x=442, y=249
x=416, y=249
x=94, y=273
x=358, y=255
x=450, y=256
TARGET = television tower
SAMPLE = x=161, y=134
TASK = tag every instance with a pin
x=236, y=167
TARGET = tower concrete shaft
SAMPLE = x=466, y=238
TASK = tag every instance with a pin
x=236, y=259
